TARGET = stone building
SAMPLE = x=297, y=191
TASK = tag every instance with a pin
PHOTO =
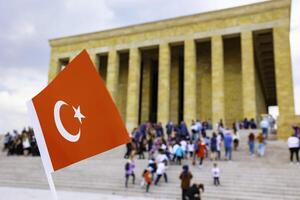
x=227, y=64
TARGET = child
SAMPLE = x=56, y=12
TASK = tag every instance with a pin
x=147, y=178
x=152, y=166
x=236, y=139
x=216, y=174
x=261, y=144
x=129, y=171
x=191, y=149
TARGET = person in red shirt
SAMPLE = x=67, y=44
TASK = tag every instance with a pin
x=201, y=151
x=147, y=178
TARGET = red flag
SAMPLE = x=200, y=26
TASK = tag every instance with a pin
x=76, y=116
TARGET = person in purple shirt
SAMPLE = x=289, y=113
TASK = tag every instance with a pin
x=184, y=130
x=159, y=130
x=143, y=128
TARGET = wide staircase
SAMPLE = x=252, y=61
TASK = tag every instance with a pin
x=245, y=178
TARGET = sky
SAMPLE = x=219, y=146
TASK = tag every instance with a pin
x=27, y=25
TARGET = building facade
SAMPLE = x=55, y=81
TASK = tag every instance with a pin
x=228, y=64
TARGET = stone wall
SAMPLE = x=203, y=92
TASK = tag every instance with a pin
x=204, y=106
x=174, y=95
x=122, y=86
x=233, y=80
x=145, y=97
x=260, y=98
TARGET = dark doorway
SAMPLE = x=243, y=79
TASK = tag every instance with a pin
x=62, y=63
x=153, y=91
x=181, y=89
x=102, y=67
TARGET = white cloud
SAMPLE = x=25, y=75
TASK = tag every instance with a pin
x=17, y=86
x=22, y=31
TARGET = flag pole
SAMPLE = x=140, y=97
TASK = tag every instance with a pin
x=51, y=185
x=47, y=164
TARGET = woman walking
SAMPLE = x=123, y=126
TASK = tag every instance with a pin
x=185, y=177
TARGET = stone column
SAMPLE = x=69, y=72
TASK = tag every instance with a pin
x=133, y=90
x=163, y=111
x=174, y=89
x=112, y=77
x=218, y=100
x=284, y=80
x=54, y=68
x=190, y=83
x=248, y=76
x=146, y=73
x=95, y=59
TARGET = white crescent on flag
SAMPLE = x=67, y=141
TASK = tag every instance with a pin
x=59, y=125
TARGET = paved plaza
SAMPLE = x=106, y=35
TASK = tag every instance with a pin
x=102, y=177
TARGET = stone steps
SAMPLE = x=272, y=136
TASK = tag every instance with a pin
x=245, y=178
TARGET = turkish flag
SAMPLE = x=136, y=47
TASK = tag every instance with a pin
x=74, y=117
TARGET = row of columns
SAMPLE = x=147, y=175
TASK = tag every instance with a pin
x=190, y=80
x=190, y=68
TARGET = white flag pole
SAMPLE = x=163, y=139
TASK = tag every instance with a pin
x=51, y=185
x=42, y=147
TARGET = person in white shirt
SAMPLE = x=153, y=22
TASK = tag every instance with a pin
x=191, y=148
x=26, y=144
x=174, y=149
x=199, y=125
x=161, y=171
x=161, y=156
x=195, y=131
x=264, y=125
x=294, y=145
x=216, y=174
x=219, y=143
x=236, y=139
x=184, y=146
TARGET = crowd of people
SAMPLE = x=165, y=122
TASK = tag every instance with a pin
x=24, y=143
x=169, y=145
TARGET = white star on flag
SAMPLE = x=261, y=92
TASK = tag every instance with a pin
x=78, y=114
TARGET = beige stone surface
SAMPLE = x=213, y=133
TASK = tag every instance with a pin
x=284, y=80
x=232, y=81
x=53, y=69
x=174, y=88
x=94, y=57
x=190, y=72
x=163, y=110
x=123, y=85
x=204, y=99
x=112, y=78
x=248, y=76
x=245, y=178
x=133, y=91
x=218, y=98
x=260, y=98
x=146, y=90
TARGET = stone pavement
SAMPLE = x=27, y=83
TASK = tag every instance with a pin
x=245, y=178
x=13, y=193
